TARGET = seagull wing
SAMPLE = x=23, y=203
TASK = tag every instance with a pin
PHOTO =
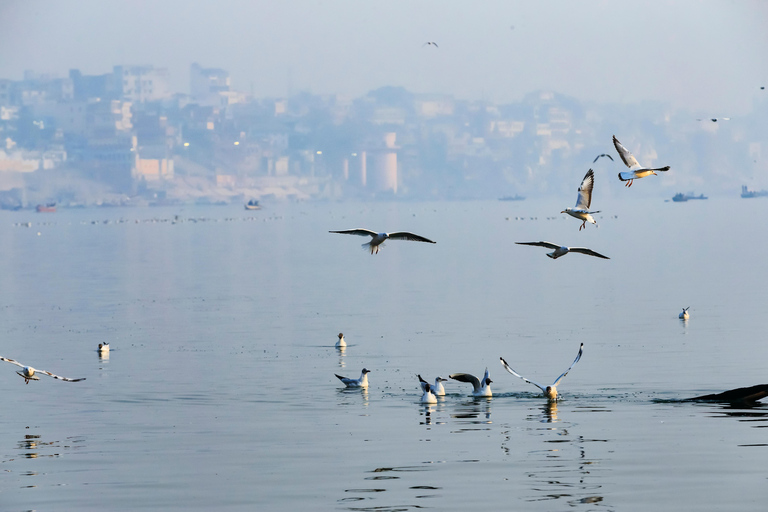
x=465, y=377
x=513, y=372
x=578, y=356
x=58, y=377
x=424, y=384
x=584, y=198
x=358, y=232
x=584, y=250
x=11, y=361
x=625, y=155
x=404, y=235
x=548, y=245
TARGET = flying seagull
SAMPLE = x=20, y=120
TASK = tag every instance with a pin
x=549, y=391
x=430, y=43
x=478, y=388
x=362, y=382
x=684, y=314
x=377, y=239
x=561, y=250
x=28, y=373
x=584, y=199
x=716, y=119
x=341, y=343
x=437, y=389
x=636, y=171
x=739, y=395
x=602, y=154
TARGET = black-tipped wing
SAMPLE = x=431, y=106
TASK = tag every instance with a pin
x=578, y=356
x=584, y=198
x=59, y=377
x=404, y=235
x=625, y=155
x=11, y=361
x=584, y=250
x=358, y=232
x=513, y=372
x=750, y=394
x=466, y=377
x=548, y=245
x=424, y=384
x=342, y=379
x=601, y=155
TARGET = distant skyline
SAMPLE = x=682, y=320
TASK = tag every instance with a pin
x=704, y=55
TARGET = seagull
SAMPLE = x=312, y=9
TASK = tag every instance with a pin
x=341, y=343
x=561, y=250
x=428, y=397
x=636, y=171
x=716, y=119
x=479, y=388
x=28, y=373
x=738, y=395
x=602, y=154
x=377, y=239
x=103, y=348
x=362, y=382
x=549, y=391
x=584, y=199
x=684, y=315
x=430, y=43
x=437, y=389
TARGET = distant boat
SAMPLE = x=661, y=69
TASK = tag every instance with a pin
x=252, y=205
x=680, y=197
x=50, y=207
x=746, y=193
x=512, y=198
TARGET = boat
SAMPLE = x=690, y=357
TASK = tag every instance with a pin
x=50, y=207
x=746, y=193
x=512, y=198
x=680, y=197
x=252, y=205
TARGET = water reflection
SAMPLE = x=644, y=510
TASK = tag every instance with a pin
x=387, y=479
x=341, y=351
x=476, y=411
x=348, y=396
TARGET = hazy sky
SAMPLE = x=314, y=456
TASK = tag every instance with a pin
x=710, y=55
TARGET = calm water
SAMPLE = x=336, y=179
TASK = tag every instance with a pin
x=219, y=392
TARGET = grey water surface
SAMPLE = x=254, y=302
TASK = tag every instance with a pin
x=219, y=392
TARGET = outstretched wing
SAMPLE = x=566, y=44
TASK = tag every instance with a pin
x=358, y=232
x=404, y=235
x=625, y=155
x=513, y=372
x=424, y=384
x=578, y=356
x=11, y=361
x=58, y=377
x=584, y=198
x=603, y=154
x=548, y=245
x=465, y=377
x=584, y=250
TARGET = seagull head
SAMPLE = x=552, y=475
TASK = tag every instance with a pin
x=366, y=370
x=488, y=381
x=440, y=379
x=551, y=392
x=341, y=335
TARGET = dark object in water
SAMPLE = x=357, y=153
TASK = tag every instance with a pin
x=746, y=395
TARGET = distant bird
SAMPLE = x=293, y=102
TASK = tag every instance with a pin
x=430, y=43
x=362, y=382
x=103, y=348
x=739, y=395
x=28, y=373
x=583, y=200
x=341, y=343
x=549, y=391
x=377, y=239
x=602, y=154
x=684, y=315
x=715, y=119
x=561, y=250
x=479, y=388
x=438, y=388
x=429, y=396
x=636, y=171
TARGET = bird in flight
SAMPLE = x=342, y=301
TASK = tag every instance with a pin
x=602, y=154
x=583, y=200
x=28, y=373
x=549, y=391
x=378, y=239
x=430, y=43
x=636, y=171
x=479, y=388
x=562, y=250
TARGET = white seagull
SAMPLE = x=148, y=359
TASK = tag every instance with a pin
x=583, y=200
x=684, y=315
x=561, y=250
x=362, y=382
x=28, y=373
x=636, y=170
x=103, y=348
x=341, y=343
x=549, y=391
x=429, y=396
x=377, y=239
x=479, y=388
x=437, y=389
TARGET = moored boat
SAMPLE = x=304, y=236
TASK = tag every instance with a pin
x=50, y=207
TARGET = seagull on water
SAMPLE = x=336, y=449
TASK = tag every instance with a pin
x=28, y=373
x=377, y=239
x=684, y=314
x=429, y=396
x=362, y=382
x=549, y=391
x=103, y=348
x=583, y=200
x=602, y=154
x=561, y=250
x=437, y=389
x=636, y=171
x=479, y=388
x=341, y=343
